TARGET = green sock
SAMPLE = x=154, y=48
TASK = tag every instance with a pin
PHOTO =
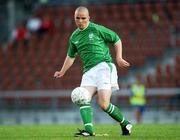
x=86, y=115
x=116, y=114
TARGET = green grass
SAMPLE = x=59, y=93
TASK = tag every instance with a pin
x=65, y=132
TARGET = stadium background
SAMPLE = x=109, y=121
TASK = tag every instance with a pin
x=149, y=30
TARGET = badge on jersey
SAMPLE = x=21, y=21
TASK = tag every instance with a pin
x=91, y=36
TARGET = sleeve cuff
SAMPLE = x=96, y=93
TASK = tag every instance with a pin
x=117, y=42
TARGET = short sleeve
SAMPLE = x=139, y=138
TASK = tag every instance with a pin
x=108, y=35
x=72, y=50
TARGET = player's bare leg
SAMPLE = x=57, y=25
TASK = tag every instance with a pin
x=104, y=96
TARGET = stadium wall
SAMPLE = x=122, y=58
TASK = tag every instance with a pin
x=55, y=107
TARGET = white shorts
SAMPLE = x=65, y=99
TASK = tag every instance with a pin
x=101, y=76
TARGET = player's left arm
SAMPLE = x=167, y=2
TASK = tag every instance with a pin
x=111, y=37
x=119, y=59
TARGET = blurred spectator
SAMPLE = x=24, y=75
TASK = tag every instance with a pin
x=155, y=18
x=34, y=24
x=137, y=98
x=47, y=25
x=20, y=35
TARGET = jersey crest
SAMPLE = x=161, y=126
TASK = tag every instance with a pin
x=91, y=36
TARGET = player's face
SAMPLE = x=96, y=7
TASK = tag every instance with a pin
x=81, y=19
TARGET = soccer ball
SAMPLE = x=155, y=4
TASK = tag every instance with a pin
x=80, y=96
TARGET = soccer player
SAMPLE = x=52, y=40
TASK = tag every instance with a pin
x=90, y=41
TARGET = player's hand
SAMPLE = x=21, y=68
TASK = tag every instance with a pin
x=122, y=63
x=58, y=74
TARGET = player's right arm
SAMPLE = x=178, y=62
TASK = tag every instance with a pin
x=69, y=60
x=67, y=64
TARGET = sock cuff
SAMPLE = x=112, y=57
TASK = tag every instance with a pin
x=85, y=106
x=110, y=108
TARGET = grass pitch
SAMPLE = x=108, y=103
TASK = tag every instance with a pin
x=66, y=132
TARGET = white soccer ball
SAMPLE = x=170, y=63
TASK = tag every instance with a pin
x=80, y=96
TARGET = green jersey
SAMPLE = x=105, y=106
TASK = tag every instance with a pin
x=92, y=45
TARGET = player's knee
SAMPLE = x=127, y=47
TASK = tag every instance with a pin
x=103, y=105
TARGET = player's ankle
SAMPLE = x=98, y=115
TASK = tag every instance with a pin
x=124, y=123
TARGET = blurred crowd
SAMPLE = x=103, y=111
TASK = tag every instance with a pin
x=34, y=25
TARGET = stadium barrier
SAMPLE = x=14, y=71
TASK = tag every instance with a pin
x=55, y=106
